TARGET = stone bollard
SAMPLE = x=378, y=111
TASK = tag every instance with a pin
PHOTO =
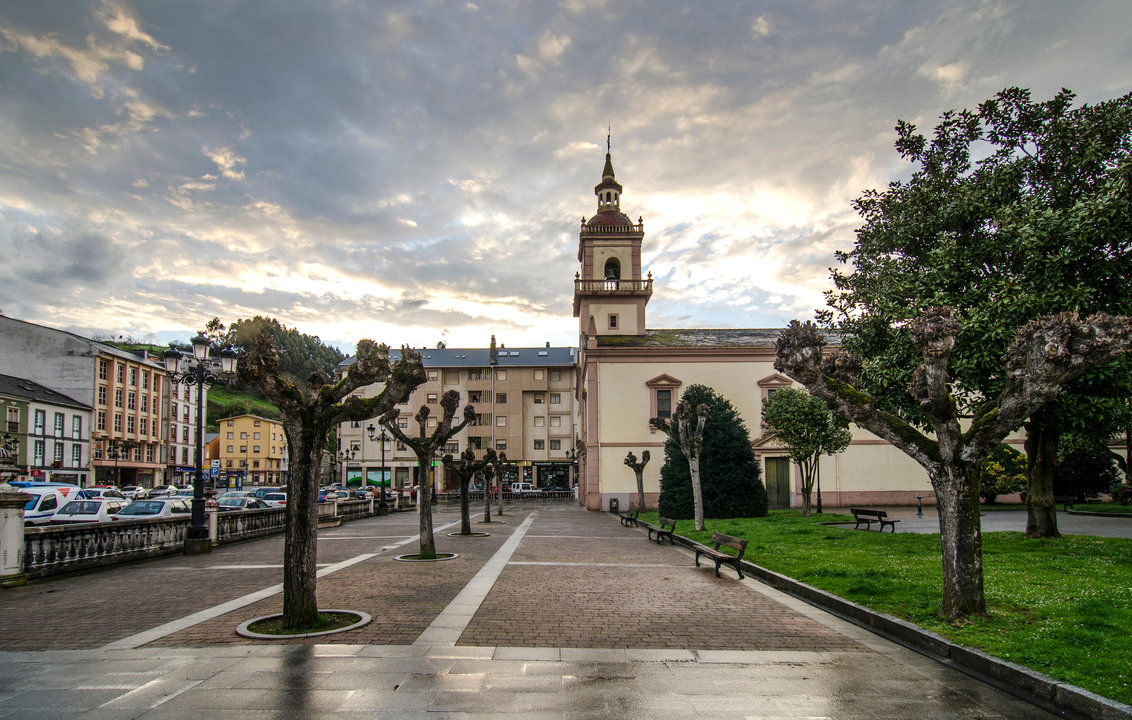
x=12, y=536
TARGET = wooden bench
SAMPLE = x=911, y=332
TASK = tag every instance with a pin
x=629, y=519
x=1066, y=501
x=718, y=556
x=868, y=517
x=663, y=530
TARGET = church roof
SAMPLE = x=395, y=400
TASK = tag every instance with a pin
x=699, y=337
x=611, y=217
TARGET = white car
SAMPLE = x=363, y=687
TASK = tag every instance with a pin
x=275, y=499
x=162, y=490
x=87, y=510
x=133, y=492
x=94, y=493
x=236, y=494
x=154, y=508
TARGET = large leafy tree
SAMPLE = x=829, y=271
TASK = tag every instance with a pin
x=810, y=429
x=310, y=411
x=1046, y=354
x=728, y=469
x=1013, y=210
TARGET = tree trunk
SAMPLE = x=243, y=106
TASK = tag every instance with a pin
x=640, y=488
x=697, y=494
x=961, y=541
x=808, y=467
x=1042, y=438
x=486, y=498
x=499, y=482
x=300, y=545
x=424, y=511
x=465, y=515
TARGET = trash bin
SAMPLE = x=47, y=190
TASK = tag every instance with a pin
x=614, y=505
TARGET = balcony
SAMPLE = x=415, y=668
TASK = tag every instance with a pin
x=612, y=287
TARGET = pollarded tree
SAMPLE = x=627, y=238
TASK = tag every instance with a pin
x=729, y=473
x=490, y=459
x=1014, y=210
x=502, y=468
x=310, y=411
x=686, y=434
x=639, y=470
x=807, y=425
x=425, y=445
x=464, y=469
x=1046, y=353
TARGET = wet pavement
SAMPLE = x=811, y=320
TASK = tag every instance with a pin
x=557, y=613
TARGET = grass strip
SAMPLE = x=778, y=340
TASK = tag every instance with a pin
x=1062, y=607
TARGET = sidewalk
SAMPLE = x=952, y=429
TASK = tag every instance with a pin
x=559, y=613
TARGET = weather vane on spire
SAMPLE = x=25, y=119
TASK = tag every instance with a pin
x=609, y=139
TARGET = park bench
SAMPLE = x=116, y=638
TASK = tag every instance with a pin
x=718, y=556
x=663, y=530
x=868, y=517
x=629, y=519
x=1066, y=501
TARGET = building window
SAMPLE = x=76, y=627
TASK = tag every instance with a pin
x=540, y=399
x=430, y=398
x=244, y=449
x=143, y=426
x=117, y=397
x=130, y=424
x=475, y=374
x=475, y=443
x=555, y=398
x=555, y=375
x=555, y=444
x=133, y=377
x=613, y=321
x=230, y=451
x=40, y=423
x=500, y=444
x=255, y=423
x=101, y=419
x=60, y=420
x=539, y=374
x=663, y=389
x=540, y=444
x=39, y=448
x=13, y=419
x=452, y=447
x=663, y=404
x=255, y=436
x=475, y=397
x=500, y=398
x=555, y=421
x=243, y=436
x=255, y=448
x=433, y=375
x=101, y=394
x=500, y=374
x=145, y=381
x=403, y=424
x=501, y=421
x=231, y=423
x=131, y=400
x=119, y=372
x=58, y=454
x=101, y=369
x=540, y=421
x=230, y=434
x=149, y=453
x=153, y=409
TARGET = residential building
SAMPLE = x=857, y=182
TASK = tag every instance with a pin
x=630, y=373
x=52, y=432
x=525, y=407
x=124, y=390
x=252, y=448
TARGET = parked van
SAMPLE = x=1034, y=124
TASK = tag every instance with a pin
x=45, y=499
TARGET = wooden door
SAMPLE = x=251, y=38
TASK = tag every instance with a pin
x=778, y=483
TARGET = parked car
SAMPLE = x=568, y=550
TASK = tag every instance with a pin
x=133, y=492
x=326, y=494
x=101, y=491
x=275, y=499
x=236, y=494
x=45, y=500
x=259, y=492
x=154, y=508
x=523, y=488
x=556, y=488
x=162, y=490
x=86, y=510
x=231, y=504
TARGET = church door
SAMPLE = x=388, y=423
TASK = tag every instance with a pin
x=778, y=483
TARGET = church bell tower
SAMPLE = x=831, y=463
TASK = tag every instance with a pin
x=609, y=293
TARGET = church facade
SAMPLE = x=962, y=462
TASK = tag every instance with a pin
x=629, y=372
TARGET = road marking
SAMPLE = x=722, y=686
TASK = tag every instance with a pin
x=174, y=626
x=446, y=629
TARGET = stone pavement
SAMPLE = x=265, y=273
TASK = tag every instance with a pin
x=558, y=613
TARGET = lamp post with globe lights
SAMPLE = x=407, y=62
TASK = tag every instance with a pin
x=201, y=372
x=384, y=438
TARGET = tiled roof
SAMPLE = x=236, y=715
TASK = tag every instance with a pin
x=712, y=337
x=34, y=392
x=479, y=357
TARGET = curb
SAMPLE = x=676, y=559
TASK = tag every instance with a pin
x=1062, y=698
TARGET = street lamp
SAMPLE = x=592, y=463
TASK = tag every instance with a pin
x=384, y=438
x=571, y=454
x=199, y=373
x=344, y=457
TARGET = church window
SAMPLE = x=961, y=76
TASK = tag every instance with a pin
x=613, y=322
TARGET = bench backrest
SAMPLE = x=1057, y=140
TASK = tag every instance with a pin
x=733, y=542
x=870, y=513
x=666, y=522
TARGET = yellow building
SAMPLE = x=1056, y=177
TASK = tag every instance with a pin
x=254, y=448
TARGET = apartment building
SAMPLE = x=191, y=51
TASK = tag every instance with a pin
x=51, y=432
x=125, y=392
x=252, y=449
x=525, y=406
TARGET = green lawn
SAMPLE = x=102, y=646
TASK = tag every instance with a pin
x=1062, y=607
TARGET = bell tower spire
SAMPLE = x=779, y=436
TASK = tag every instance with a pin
x=609, y=293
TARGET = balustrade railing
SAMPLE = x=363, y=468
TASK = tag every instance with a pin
x=612, y=286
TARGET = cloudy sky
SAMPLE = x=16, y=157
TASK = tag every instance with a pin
x=416, y=171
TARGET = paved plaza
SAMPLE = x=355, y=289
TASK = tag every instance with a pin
x=558, y=613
